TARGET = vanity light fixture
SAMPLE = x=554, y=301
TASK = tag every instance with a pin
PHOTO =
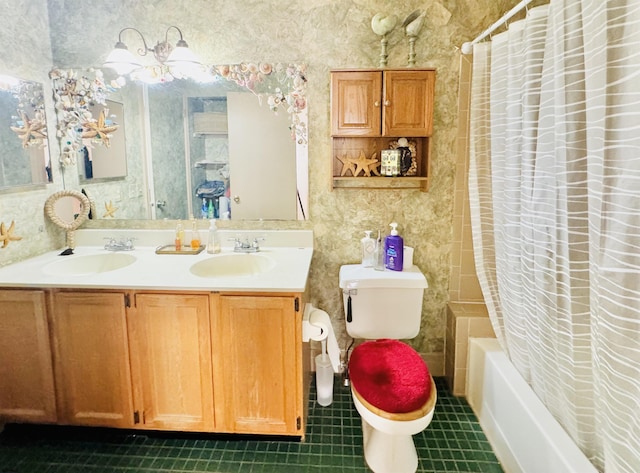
x=179, y=58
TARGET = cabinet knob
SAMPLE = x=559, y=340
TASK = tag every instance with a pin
x=236, y=199
x=376, y=104
x=387, y=103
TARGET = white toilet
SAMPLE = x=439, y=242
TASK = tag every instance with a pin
x=390, y=383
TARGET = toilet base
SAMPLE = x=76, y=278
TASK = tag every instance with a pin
x=388, y=443
x=388, y=453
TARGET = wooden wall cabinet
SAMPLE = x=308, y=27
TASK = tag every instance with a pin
x=26, y=372
x=370, y=111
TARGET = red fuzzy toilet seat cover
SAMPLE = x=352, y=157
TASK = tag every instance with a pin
x=390, y=375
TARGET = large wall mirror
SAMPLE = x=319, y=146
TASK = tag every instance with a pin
x=24, y=149
x=230, y=145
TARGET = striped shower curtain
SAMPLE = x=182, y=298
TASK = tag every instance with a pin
x=554, y=188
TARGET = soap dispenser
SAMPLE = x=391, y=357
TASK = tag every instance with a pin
x=368, y=250
x=393, y=249
x=213, y=242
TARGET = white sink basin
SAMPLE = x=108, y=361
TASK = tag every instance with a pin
x=237, y=264
x=89, y=264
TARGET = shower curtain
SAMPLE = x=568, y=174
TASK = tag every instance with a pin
x=554, y=188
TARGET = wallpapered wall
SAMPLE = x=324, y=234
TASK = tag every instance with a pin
x=24, y=32
x=324, y=34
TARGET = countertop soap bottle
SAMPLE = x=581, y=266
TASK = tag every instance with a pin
x=368, y=250
x=213, y=242
x=195, y=235
x=393, y=249
x=179, y=240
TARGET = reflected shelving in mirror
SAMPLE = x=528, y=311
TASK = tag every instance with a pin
x=24, y=147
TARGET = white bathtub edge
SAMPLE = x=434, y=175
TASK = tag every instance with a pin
x=524, y=435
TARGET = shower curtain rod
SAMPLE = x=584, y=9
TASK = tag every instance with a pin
x=467, y=48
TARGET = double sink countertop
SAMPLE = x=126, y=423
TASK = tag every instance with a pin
x=288, y=253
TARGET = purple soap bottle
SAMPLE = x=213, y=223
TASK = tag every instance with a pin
x=393, y=249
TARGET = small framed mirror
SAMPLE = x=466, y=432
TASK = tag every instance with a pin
x=68, y=209
x=24, y=149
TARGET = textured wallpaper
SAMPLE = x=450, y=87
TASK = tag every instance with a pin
x=24, y=32
x=324, y=35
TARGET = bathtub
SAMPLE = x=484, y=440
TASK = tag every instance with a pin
x=524, y=435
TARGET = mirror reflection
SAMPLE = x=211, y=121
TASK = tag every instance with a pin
x=24, y=150
x=103, y=151
x=231, y=147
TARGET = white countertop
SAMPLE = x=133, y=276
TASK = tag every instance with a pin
x=290, y=250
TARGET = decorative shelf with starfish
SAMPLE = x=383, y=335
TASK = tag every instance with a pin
x=356, y=163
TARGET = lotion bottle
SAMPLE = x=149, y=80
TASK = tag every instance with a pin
x=368, y=250
x=393, y=249
x=213, y=242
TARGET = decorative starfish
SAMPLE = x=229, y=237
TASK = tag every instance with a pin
x=110, y=210
x=93, y=129
x=347, y=165
x=373, y=167
x=363, y=163
x=32, y=131
x=6, y=234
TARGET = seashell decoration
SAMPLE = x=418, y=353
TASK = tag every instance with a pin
x=412, y=25
x=382, y=25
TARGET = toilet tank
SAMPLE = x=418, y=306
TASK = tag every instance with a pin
x=382, y=304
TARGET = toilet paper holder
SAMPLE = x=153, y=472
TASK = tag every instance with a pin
x=316, y=325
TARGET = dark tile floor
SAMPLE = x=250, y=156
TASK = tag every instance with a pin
x=454, y=442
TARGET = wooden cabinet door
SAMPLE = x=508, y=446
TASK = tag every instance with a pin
x=26, y=372
x=171, y=351
x=91, y=349
x=355, y=103
x=408, y=103
x=256, y=359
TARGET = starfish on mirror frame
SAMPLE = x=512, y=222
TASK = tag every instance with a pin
x=110, y=210
x=6, y=234
x=31, y=131
x=98, y=129
x=347, y=165
x=363, y=163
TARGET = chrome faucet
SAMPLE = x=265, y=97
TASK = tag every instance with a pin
x=124, y=244
x=240, y=246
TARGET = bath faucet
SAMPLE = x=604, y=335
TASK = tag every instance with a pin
x=240, y=246
x=125, y=244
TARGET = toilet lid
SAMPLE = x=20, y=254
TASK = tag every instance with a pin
x=390, y=375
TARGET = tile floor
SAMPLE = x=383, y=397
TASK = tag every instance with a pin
x=454, y=442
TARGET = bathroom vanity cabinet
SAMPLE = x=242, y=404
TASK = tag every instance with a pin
x=260, y=365
x=370, y=111
x=187, y=361
x=26, y=371
x=170, y=341
x=91, y=358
